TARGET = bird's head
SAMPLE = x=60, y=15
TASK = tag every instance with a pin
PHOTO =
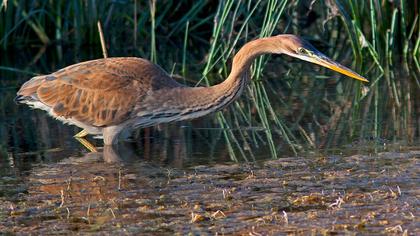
x=300, y=48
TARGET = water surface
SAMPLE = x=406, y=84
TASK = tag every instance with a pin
x=181, y=178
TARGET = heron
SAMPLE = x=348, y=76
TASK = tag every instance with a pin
x=112, y=96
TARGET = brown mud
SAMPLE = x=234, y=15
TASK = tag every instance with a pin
x=114, y=192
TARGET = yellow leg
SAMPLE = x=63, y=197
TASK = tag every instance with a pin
x=87, y=144
x=81, y=134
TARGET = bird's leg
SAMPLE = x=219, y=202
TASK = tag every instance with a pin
x=81, y=134
x=87, y=144
x=112, y=133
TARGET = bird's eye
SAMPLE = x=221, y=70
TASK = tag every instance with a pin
x=302, y=51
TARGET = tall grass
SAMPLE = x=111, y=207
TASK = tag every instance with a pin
x=287, y=107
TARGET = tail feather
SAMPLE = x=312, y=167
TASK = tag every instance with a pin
x=28, y=90
x=21, y=99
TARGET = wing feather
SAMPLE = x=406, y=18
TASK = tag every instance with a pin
x=100, y=92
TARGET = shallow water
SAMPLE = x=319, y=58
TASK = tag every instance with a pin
x=120, y=191
x=180, y=178
x=172, y=180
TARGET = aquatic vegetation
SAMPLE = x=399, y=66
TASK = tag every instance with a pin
x=299, y=195
x=379, y=39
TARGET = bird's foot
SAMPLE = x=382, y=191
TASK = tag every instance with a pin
x=87, y=144
x=81, y=134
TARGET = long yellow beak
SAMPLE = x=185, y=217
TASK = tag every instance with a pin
x=330, y=64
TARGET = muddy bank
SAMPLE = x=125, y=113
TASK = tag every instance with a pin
x=109, y=192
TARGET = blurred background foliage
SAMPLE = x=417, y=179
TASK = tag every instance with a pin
x=290, y=105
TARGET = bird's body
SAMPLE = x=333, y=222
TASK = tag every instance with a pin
x=112, y=95
x=106, y=96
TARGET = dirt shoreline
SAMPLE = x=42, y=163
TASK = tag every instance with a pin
x=326, y=194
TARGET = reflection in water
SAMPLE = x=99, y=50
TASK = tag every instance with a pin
x=119, y=153
x=126, y=152
x=174, y=178
x=28, y=130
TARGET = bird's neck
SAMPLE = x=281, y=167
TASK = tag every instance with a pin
x=187, y=103
x=240, y=75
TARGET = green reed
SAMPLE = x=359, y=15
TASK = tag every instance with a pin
x=287, y=106
x=389, y=42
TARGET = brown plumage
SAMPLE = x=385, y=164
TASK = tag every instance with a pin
x=112, y=95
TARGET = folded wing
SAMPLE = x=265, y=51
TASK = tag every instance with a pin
x=100, y=92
